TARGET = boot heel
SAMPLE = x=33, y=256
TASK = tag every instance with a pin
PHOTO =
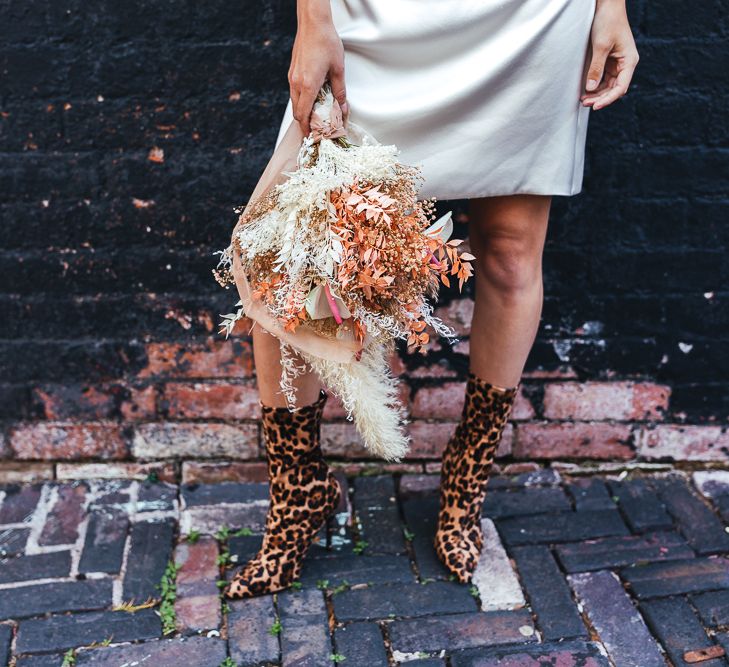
x=339, y=516
x=330, y=526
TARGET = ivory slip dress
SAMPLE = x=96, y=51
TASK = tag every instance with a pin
x=483, y=95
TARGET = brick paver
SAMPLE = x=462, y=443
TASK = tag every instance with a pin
x=576, y=570
x=249, y=631
x=556, y=612
x=677, y=577
x=590, y=493
x=495, y=577
x=305, y=637
x=6, y=635
x=379, y=602
x=150, y=549
x=68, y=631
x=703, y=530
x=679, y=630
x=569, y=654
x=378, y=516
x=103, y=549
x=361, y=644
x=713, y=607
x=60, y=596
x=612, y=552
x=640, y=505
x=13, y=541
x=616, y=620
x=196, y=607
x=198, y=651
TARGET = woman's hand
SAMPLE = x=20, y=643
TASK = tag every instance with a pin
x=318, y=54
x=614, y=56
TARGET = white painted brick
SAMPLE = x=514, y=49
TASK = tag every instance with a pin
x=497, y=583
x=208, y=519
x=199, y=440
x=712, y=483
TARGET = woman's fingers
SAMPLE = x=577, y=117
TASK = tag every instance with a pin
x=600, y=53
x=616, y=87
x=617, y=90
x=339, y=89
x=595, y=93
x=305, y=103
x=304, y=93
x=293, y=90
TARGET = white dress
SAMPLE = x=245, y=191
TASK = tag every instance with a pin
x=483, y=95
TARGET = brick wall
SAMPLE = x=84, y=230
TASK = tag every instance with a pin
x=129, y=131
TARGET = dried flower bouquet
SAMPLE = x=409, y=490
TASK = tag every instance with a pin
x=338, y=258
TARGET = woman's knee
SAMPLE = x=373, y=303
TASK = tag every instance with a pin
x=507, y=238
x=510, y=264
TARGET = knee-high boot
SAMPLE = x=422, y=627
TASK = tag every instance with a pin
x=304, y=494
x=467, y=462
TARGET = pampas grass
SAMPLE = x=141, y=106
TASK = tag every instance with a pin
x=370, y=394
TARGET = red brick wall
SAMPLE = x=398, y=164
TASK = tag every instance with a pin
x=192, y=412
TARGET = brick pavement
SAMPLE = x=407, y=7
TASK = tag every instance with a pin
x=629, y=570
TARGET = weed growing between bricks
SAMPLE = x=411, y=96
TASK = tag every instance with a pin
x=168, y=591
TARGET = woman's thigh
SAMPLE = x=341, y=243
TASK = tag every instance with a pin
x=518, y=220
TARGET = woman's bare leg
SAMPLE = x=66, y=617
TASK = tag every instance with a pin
x=507, y=238
x=267, y=357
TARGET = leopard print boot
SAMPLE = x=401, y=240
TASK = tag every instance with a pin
x=304, y=494
x=465, y=472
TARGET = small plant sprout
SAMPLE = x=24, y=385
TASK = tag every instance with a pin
x=275, y=629
x=296, y=585
x=168, y=588
x=409, y=535
x=337, y=658
x=243, y=532
x=69, y=658
x=228, y=662
x=193, y=536
x=222, y=534
x=224, y=559
x=341, y=587
x=322, y=584
x=359, y=547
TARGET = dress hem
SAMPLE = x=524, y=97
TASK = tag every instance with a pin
x=550, y=192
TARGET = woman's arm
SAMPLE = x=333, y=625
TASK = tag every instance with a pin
x=317, y=55
x=614, y=56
